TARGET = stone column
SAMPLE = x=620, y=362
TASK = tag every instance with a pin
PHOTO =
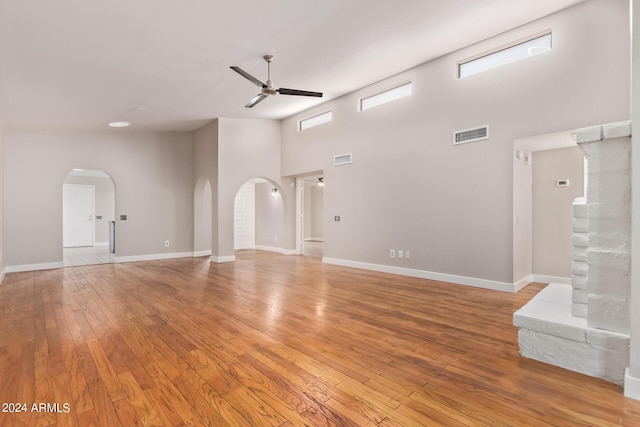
x=609, y=221
x=580, y=268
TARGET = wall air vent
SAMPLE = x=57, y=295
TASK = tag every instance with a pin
x=471, y=135
x=342, y=159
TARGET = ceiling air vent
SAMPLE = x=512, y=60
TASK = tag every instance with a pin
x=471, y=135
x=342, y=159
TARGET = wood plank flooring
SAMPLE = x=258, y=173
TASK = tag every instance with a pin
x=274, y=340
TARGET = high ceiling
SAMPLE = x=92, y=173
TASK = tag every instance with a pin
x=164, y=64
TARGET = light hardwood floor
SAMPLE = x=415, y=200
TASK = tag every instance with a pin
x=274, y=340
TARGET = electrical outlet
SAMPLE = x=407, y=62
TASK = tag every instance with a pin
x=166, y=243
x=407, y=254
x=392, y=253
x=400, y=253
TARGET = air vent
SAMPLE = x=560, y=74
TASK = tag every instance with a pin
x=471, y=135
x=342, y=159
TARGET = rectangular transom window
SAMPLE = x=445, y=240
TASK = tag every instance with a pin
x=386, y=96
x=530, y=47
x=316, y=120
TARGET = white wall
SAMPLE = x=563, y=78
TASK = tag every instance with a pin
x=152, y=172
x=522, y=216
x=205, y=177
x=2, y=223
x=553, y=209
x=250, y=148
x=452, y=207
x=632, y=382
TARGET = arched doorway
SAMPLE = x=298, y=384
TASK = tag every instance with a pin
x=202, y=218
x=258, y=216
x=88, y=212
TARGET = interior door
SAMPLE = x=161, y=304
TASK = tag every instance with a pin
x=245, y=217
x=77, y=215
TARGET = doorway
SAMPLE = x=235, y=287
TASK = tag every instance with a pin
x=259, y=216
x=310, y=230
x=548, y=177
x=88, y=212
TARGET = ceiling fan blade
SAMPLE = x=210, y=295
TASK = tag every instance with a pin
x=248, y=76
x=255, y=100
x=283, y=91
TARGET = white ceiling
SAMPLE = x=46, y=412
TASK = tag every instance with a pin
x=164, y=64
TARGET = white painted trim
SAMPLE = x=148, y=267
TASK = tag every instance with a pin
x=423, y=274
x=290, y=252
x=33, y=267
x=197, y=254
x=269, y=249
x=101, y=244
x=221, y=259
x=631, y=385
x=523, y=282
x=152, y=257
x=550, y=279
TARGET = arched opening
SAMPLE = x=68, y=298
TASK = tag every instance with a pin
x=203, y=217
x=88, y=217
x=258, y=216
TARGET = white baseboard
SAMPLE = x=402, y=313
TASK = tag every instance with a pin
x=33, y=267
x=523, y=282
x=221, y=259
x=423, y=274
x=152, y=257
x=269, y=249
x=550, y=279
x=539, y=278
x=290, y=252
x=101, y=244
x=197, y=254
x=631, y=386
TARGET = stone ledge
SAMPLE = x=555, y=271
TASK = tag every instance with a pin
x=551, y=334
x=550, y=312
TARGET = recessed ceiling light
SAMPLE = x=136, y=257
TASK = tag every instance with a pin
x=119, y=124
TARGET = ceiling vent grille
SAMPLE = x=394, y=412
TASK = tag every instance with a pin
x=342, y=159
x=471, y=135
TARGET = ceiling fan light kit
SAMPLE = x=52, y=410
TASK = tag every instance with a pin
x=267, y=88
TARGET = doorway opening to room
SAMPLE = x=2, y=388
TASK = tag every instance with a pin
x=88, y=218
x=310, y=206
x=548, y=175
x=202, y=218
x=258, y=216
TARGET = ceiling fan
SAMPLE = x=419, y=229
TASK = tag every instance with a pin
x=267, y=88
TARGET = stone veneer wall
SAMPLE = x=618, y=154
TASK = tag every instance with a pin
x=608, y=150
x=580, y=268
x=552, y=326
